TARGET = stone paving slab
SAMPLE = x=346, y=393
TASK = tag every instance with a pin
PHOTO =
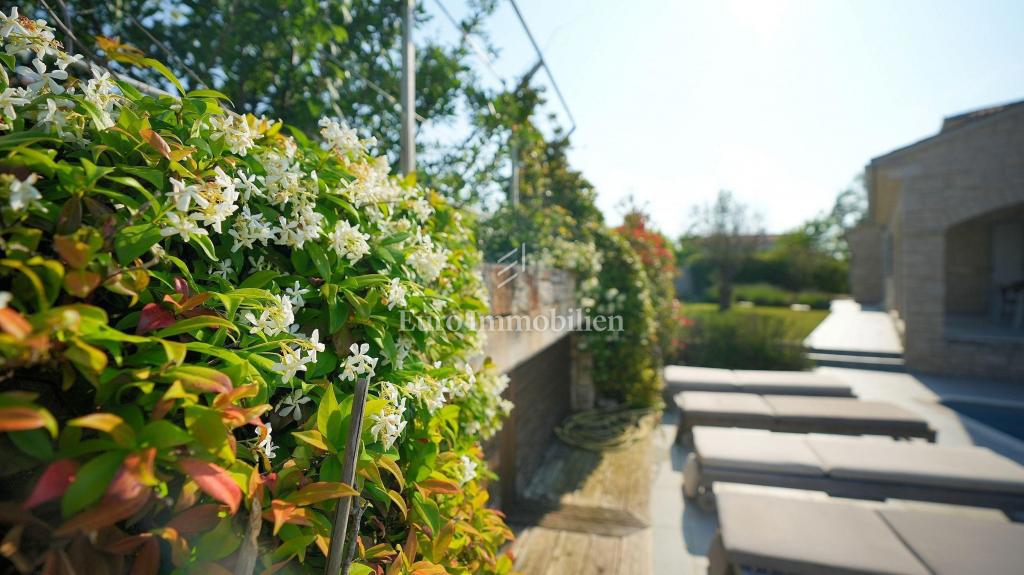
x=849, y=328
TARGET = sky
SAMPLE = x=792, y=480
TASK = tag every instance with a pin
x=781, y=102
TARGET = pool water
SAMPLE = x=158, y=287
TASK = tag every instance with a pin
x=1008, y=419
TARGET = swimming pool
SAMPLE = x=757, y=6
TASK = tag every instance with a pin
x=1006, y=418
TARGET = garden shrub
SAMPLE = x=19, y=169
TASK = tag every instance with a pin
x=627, y=365
x=738, y=340
x=187, y=297
x=815, y=299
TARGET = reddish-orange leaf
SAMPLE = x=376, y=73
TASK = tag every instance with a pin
x=196, y=519
x=437, y=485
x=282, y=512
x=147, y=560
x=14, y=324
x=157, y=142
x=154, y=317
x=108, y=423
x=19, y=418
x=52, y=483
x=124, y=498
x=214, y=481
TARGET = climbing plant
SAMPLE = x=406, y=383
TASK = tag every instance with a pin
x=187, y=297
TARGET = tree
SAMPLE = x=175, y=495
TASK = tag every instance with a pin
x=296, y=60
x=728, y=234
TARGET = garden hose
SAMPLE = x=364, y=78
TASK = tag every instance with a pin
x=606, y=429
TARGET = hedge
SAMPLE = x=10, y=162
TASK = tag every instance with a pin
x=187, y=297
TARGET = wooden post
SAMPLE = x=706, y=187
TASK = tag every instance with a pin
x=339, y=533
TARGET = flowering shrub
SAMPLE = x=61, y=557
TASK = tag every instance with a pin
x=187, y=297
x=659, y=265
x=626, y=363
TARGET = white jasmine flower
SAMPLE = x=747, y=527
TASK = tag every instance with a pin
x=266, y=445
x=468, y=468
x=291, y=363
x=359, y=363
x=396, y=294
x=348, y=242
x=273, y=319
x=23, y=193
x=180, y=225
x=183, y=195
x=5, y=296
x=295, y=294
x=247, y=183
x=38, y=79
x=10, y=98
x=291, y=404
x=387, y=427
x=222, y=269
x=236, y=131
x=250, y=228
x=64, y=59
x=314, y=345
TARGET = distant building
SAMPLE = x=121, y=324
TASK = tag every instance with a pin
x=942, y=247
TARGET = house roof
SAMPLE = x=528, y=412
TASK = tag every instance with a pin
x=951, y=124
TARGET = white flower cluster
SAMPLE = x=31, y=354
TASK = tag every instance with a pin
x=292, y=358
x=348, y=242
x=208, y=202
x=358, y=363
x=467, y=469
x=429, y=391
x=272, y=320
x=428, y=261
x=21, y=36
x=388, y=423
x=339, y=137
x=238, y=132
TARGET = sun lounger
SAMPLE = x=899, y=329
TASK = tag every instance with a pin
x=777, y=534
x=857, y=467
x=686, y=378
x=841, y=415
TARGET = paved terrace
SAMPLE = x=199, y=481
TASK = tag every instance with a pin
x=672, y=537
x=851, y=328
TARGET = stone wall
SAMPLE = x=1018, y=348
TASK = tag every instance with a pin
x=973, y=171
x=866, y=263
x=968, y=268
x=539, y=363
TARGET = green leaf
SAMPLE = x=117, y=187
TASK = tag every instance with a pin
x=328, y=419
x=208, y=429
x=133, y=241
x=159, y=67
x=34, y=442
x=259, y=279
x=428, y=512
x=316, y=253
x=208, y=94
x=91, y=480
x=206, y=245
x=163, y=434
x=195, y=323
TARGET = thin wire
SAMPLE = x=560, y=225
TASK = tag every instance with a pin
x=544, y=63
x=168, y=51
x=373, y=86
x=480, y=52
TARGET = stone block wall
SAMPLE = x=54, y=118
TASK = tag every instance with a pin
x=866, y=263
x=538, y=359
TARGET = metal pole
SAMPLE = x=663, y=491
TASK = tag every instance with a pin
x=335, y=554
x=408, y=95
x=514, y=193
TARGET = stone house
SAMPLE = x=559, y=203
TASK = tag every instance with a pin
x=942, y=246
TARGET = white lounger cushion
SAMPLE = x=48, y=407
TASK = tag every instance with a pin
x=824, y=409
x=790, y=383
x=701, y=378
x=748, y=450
x=857, y=458
x=953, y=544
x=795, y=536
x=938, y=465
x=755, y=381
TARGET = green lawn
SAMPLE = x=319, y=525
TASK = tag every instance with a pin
x=800, y=323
